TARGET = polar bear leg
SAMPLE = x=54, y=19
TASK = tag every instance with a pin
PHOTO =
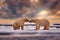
x=37, y=27
x=22, y=27
x=15, y=26
x=46, y=27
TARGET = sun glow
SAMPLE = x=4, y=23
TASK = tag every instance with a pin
x=43, y=13
x=34, y=1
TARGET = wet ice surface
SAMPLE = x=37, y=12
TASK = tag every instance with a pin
x=29, y=29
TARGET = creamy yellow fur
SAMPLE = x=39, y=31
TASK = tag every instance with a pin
x=20, y=24
x=43, y=22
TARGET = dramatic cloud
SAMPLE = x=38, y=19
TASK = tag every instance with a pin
x=28, y=8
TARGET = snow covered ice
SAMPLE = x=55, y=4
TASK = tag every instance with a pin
x=28, y=29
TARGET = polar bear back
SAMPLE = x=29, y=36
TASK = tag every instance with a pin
x=19, y=22
x=44, y=22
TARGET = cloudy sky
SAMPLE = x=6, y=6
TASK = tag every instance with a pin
x=29, y=8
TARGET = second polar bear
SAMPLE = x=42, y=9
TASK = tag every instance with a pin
x=42, y=22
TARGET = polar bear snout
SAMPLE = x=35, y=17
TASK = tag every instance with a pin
x=31, y=20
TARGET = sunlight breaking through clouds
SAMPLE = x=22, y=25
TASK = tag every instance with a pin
x=43, y=13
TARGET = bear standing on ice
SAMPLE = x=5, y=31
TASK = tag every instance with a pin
x=42, y=22
x=20, y=24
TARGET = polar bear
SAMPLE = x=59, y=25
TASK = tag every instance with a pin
x=20, y=23
x=42, y=22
